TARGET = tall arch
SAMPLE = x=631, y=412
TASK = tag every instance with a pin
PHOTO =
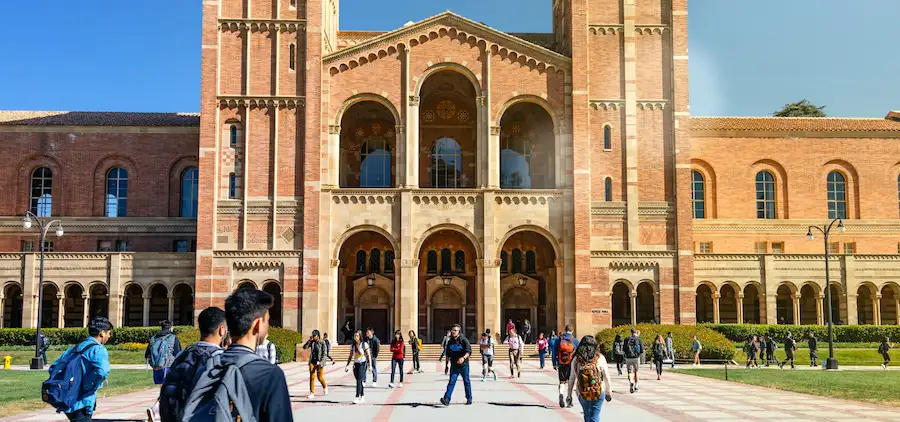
x=527, y=148
x=133, y=306
x=361, y=255
x=532, y=266
x=710, y=185
x=273, y=287
x=728, y=303
x=362, y=97
x=447, y=66
x=782, y=194
x=621, y=303
x=12, y=305
x=890, y=312
x=448, y=117
x=851, y=179
x=368, y=144
x=445, y=241
x=754, y=306
x=784, y=303
x=646, y=308
x=704, y=302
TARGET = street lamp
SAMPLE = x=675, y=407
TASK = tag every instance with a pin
x=522, y=281
x=37, y=362
x=831, y=362
x=447, y=278
x=370, y=280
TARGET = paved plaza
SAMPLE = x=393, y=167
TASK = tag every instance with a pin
x=529, y=398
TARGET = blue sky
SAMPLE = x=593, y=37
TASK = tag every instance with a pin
x=746, y=57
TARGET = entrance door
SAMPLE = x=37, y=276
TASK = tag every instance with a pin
x=378, y=320
x=441, y=321
x=518, y=317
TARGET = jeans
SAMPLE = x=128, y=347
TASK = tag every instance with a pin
x=316, y=371
x=542, y=354
x=44, y=356
x=659, y=364
x=374, y=370
x=394, y=364
x=487, y=365
x=456, y=371
x=514, y=362
x=592, y=408
x=416, y=361
x=359, y=372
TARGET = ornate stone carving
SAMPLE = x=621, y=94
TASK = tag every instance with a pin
x=334, y=129
x=559, y=263
x=445, y=200
x=262, y=25
x=400, y=129
x=334, y=263
x=527, y=198
x=413, y=100
x=373, y=197
x=234, y=101
x=257, y=265
x=491, y=263
x=495, y=130
x=481, y=101
x=607, y=104
x=609, y=29
x=409, y=263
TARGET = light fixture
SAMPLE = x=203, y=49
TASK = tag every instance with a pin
x=447, y=279
x=59, y=231
x=522, y=281
x=370, y=280
x=26, y=222
x=840, y=226
x=809, y=235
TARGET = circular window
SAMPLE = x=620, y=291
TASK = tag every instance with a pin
x=446, y=110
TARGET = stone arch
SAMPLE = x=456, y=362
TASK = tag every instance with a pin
x=704, y=301
x=159, y=293
x=183, y=303
x=246, y=283
x=809, y=300
x=710, y=190
x=176, y=169
x=785, y=293
x=453, y=227
x=851, y=177
x=865, y=303
x=839, y=309
x=620, y=302
x=13, y=301
x=373, y=295
x=75, y=297
x=276, y=312
x=537, y=229
x=729, y=302
x=367, y=96
x=781, y=184
x=336, y=250
x=132, y=304
x=890, y=312
x=753, y=303
x=528, y=98
x=50, y=309
x=26, y=167
x=455, y=67
x=101, y=170
x=646, y=303
x=516, y=295
x=528, y=145
x=98, y=293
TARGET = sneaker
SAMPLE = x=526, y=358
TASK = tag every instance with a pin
x=483, y=379
x=562, y=401
x=311, y=396
x=362, y=400
x=400, y=385
x=495, y=376
x=631, y=387
x=374, y=385
x=883, y=366
x=390, y=385
x=356, y=400
x=635, y=386
x=469, y=403
x=326, y=391
x=445, y=402
x=446, y=371
x=569, y=402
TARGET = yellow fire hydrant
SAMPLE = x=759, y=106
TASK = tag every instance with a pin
x=7, y=362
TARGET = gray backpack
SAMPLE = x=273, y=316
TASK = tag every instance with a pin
x=219, y=392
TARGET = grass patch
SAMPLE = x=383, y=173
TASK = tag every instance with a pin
x=823, y=345
x=23, y=357
x=855, y=357
x=867, y=386
x=20, y=391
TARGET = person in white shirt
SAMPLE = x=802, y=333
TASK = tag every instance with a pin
x=486, y=344
x=516, y=347
x=590, y=377
x=267, y=351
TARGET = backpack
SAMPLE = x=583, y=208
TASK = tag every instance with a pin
x=619, y=348
x=631, y=348
x=220, y=394
x=590, y=380
x=64, y=387
x=566, y=350
x=883, y=348
x=45, y=343
x=180, y=380
x=159, y=349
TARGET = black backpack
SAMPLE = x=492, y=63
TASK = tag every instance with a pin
x=632, y=351
x=180, y=380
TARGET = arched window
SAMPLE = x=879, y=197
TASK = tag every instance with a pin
x=388, y=262
x=375, y=261
x=232, y=133
x=837, y=195
x=190, y=179
x=504, y=262
x=232, y=186
x=607, y=138
x=432, y=262
x=116, y=192
x=515, y=162
x=765, y=195
x=361, y=262
x=516, y=261
x=41, y=192
x=898, y=190
x=530, y=262
x=607, y=189
x=460, y=261
x=375, y=168
x=446, y=164
x=446, y=259
x=293, y=57
x=698, y=194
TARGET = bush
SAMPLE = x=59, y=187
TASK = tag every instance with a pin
x=133, y=347
x=842, y=333
x=57, y=336
x=285, y=341
x=715, y=345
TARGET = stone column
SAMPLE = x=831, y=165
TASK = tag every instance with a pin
x=716, y=296
x=87, y=309
x=114, y=285
x=560, y=293
x=401, y=157
x=492, y=298
x=479, y=296
x=740, y=308
x=771, y=308
x=852, y=317
x=146, y=309
x=493, y=155
x=334, y=156
x=876, y=309
x=897, y=309
x=633, y=296
x=409, y=294
x=412, y=142
x=2, y=308
x=171, y=302
x=61, y=314
x=29, y=292
x=820, y=314
x=796, y=301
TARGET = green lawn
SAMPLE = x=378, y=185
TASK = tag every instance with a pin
x=823, y=344
x=21, y=390
x=23, y=357
x=861, y=357
x=868, y=386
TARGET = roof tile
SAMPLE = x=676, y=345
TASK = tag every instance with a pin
x=96, y=118
x=793, y=124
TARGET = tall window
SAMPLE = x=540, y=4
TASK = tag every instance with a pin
x=190, y=180
x=360, y=262
x=445, y=261
x=431, y=262
x=515, y=163
x=446, y=164
x=232, y=133
x=516, y=261
x=837, y=195
x=504, y=260
x=375, y=170
x=388, y=262
x=898, y=191
x=460, y=261
x=530, y=262
x=116, y=192
x=41, y=192
x=375, y=261
x=607, y=189
x=698, y=194
x=607, y=138
x=293, y=57
x=765, y=195
x=232, y=186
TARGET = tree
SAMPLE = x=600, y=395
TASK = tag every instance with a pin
x=800, y=109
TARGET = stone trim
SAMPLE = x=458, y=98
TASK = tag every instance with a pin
x=261, y=25
x=260, y=101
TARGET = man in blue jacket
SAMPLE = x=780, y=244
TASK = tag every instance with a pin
x=96, y=369
x=563, y=350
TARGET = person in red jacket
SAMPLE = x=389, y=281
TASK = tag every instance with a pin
x=398, y=347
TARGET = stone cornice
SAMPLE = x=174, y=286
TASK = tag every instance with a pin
x=606, y=29
x=260, y=101
x=112, y=225
x=798, y=227
x=262, y=25
x=632, y=254
x=615, y=104
x=257, y=254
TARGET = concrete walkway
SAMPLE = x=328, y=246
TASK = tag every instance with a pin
x=533, y=397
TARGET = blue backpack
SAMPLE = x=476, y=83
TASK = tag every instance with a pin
x=64, y=386
x=159, y=349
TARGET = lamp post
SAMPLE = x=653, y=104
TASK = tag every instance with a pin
x=447, y=278
x=831, y=362
x=370, y=280
x=37, y=362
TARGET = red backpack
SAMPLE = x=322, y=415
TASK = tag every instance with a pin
x=566, y=350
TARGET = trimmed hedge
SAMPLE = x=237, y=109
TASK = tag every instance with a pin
x=120, y=335
x=285, y=341
x=842, y=333
x=715, y=345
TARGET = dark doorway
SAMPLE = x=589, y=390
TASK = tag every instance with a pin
x=518, y=317
x=377, y=319
x=441, y=321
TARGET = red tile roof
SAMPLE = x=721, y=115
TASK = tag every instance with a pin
x=96, y=118
x=793, y=124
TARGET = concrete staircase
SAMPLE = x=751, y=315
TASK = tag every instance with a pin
x=430, y=352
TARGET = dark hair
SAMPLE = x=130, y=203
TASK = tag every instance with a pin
x=398, y=333
x=209, y=320
x=618, y=337
x=587, y=349
x=362, y=338
x=412, y=334
x=670, y=333
x=457, y=326
x=315, y=333
x=568, y=328
x=165, y=324
x=99, y=324
x=633, y=330
x=245, y=306
x=488, y=331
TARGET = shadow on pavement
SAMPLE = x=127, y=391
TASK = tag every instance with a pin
x=518, y=405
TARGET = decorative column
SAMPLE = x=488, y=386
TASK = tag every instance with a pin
x=771, y=301
x=171, y=315
x=2, y=308
x=479, y=296
x=633, y=296
x=146, y=310
x=876, y=309
x=716, y=296
x=796, y=301
x=412, y=142
x=560, y=293
x=334, y=156
x=852, y=316
x=409, y=294
x=29, y=292
x=492, y=295
x=820, y=314
x=400, y=160
x=493, y=154
x=87, y=309
x=897, y=308
x=740, y=308
x=61, y=314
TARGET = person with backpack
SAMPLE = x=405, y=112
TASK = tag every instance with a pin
x=659, y=354
x=790, y=346
x=179, y=382
x=564, y=353
x=360, y=357
x=751, y=347
x=45, y=345
x=590, y=375
x=398, y=355
x=267, y=351
x=78, y=373
x=444, y=342
x=415, y=345
x=161, y=351
x=670, y=349
x=634, y=349
x=771, y=346
x=327, y=347
x=618, y=350
x=526, y=331
x=543, y=346
x=458, y=352
x=813, y=349
x=317, y=355
x=763, y=348
x=885, y=350
x=238, y=382
x=374, y=347
x=696, y=347
x=486, y=346
x=516, y=346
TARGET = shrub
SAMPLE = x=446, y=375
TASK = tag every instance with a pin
x=285, y=340
x=133, y=347
x=58, y=336
x=715, y=345
x=842, y=333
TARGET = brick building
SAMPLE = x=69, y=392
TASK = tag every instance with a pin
x=448, y=172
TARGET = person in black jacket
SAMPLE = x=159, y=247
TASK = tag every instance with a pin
x=770, y=350
x=458, y=352
x=789, y=347
x=374, y=345
x=813, y=350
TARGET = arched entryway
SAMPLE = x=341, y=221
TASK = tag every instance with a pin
x=99, y=300
x=159, y=304
x=368, y=157
x=375, y=309
x=133, y=306
x=367, y=260
x=784, y=303
x=183, y=305
x=74, y=305
x=519, y=304
x=728, y=304
x=50, y=309
x=704, y=304
x=621, y=303
x=645, y=303
x=273, y=288
x=838, y=305
x=890, y=294
x=752, y=304
x=526, y=148
x=528, y=262
x=809, y=298
x=448, y=120
x=447, y=259
x=865, y=305
x=445, y=308
x=12, y=306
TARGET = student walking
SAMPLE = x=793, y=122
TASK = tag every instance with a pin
x=510, y=326
x=161, y=351
x=374, y=347
x=458, y=352
x=591, y=375
x=813, y=345
x=398, y=349
x=516, y=346
x=543, y=346
x=444, y=343
x=618, y=348
x=267, y=351
x=486, y=346
x=563, y=354
x=659, y=354
x=696, y=347
x=770, y=350
x=415, y=346
x=317, y=354
x=670, y=349
x=347, y=331
x=751, y=348
x=885, y=350
x=634, y=349
x=360, y=356
x=762, y=349
x=790, y=346
x=265, y=395
x=45, y=345
x=327, y=347
x=526, y=331
x=90, y=360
